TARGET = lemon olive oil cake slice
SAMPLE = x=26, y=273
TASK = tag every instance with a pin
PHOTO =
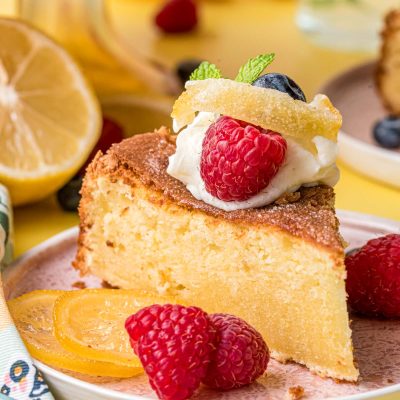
x=234, y=215
x=280, y=267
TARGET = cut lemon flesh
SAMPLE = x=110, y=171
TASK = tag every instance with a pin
x=49, y=116
x=268, y=108
x=91, y=322
x=33, y=316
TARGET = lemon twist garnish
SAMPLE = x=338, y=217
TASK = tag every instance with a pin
x=268, y=108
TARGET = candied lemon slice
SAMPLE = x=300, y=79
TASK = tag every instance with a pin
x=91, y=322
x=33, y=316
x=268, y=108
x=49, y=116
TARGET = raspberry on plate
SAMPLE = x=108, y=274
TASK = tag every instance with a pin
x=241, y=354
x=238, y=159
x=174, y=344
x=373, y=277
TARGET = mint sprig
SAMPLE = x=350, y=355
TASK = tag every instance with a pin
x=250, y=71
x=204, y=71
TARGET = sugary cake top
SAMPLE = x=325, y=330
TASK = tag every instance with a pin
x=308, y=213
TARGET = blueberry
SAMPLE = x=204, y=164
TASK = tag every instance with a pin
x=282, y=83
x=387, y=132
x=185, y=68
x=68, y=196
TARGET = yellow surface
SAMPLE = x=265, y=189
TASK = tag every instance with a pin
x=231, y=31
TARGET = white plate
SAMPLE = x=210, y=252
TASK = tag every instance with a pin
x=48, y=266
x=353, y=94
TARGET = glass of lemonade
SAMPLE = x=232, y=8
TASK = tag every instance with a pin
x=344, y=24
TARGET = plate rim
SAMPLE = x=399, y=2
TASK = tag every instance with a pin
x=92, y=387
x=350, y=216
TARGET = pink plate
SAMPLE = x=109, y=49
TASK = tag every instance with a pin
x=48, y=266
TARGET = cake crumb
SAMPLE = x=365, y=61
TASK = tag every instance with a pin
x=288, y=198
x=106, y=285
x=295, y=393
x=79, y=285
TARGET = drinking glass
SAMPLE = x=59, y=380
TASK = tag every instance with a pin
x=344, y=24
x=86, y=29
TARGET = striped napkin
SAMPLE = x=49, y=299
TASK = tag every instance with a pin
x=19, y=378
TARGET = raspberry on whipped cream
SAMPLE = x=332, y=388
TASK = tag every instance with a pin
x=238, y=159
x=301, y=167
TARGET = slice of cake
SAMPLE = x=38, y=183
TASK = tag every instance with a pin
x=231, y=216
x=279, y=267
x=388, y=71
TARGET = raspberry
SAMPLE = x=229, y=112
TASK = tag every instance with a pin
x=241, y=354
x=373, y=277
x=238, y=159
x=177, y=16
x=111, y=133
x=174, y=344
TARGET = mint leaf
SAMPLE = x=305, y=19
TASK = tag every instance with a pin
x=250, y=71
x=204, y=71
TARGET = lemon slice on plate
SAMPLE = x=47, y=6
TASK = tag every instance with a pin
x=91, y=322
x=49, y=116
x=33, y=317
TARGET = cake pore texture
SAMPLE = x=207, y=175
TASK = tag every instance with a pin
x=279, y=267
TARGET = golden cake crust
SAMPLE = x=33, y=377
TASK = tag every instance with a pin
x=306, y=214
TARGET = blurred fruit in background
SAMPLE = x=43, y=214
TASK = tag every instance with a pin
x=111, y=132
x=185, y=68
x=177, y=16
x=49, y=116
x=69, y=195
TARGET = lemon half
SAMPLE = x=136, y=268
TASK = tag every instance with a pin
x=49, y=117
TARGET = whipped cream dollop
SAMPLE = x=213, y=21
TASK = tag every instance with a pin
x=301, y=167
